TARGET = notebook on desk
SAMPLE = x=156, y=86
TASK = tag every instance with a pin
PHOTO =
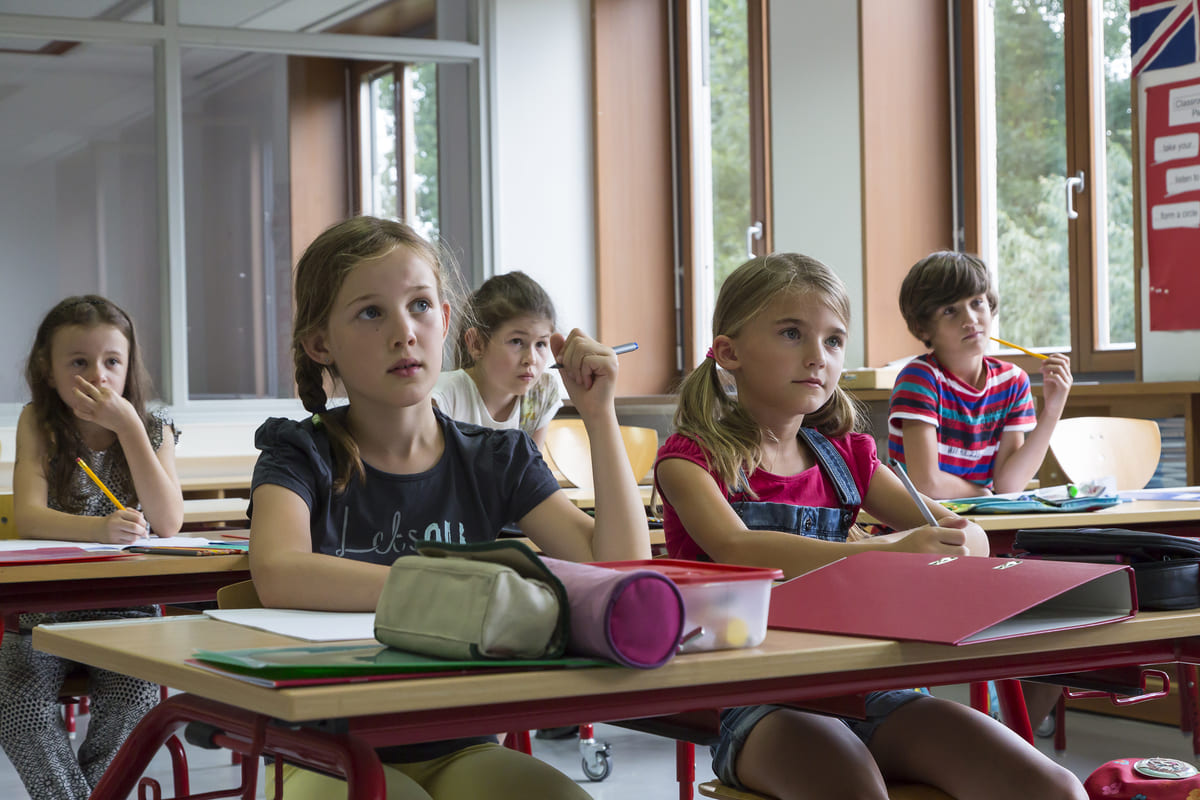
x=316, y=664
x=951, y=600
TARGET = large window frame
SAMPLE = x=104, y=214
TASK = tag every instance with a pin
x=694, y=275
x=168, y=37
x=1079, y=35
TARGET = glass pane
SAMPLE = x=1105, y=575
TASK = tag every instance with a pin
x=421, y=169
x=379, y=146
x=729, y=84
x=237, y=198
x=409, y=192
x=412, y=19
x=79, y=207
x=1114, y=262
x=265, y=172
x=131, y=10
x=1031, y=245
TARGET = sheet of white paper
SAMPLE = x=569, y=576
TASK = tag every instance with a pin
x=42, y=544
x=172, y=541
x=312, y=626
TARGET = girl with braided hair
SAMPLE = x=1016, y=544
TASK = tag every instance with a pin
x=336, y=498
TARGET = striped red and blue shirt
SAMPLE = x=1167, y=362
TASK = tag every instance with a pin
x=969, y=421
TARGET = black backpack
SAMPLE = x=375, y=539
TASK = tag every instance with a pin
x=1165, y=567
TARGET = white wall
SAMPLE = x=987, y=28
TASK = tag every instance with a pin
x=815, y=136
x=542, y=151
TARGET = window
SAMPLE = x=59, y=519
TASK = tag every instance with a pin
x=399, y=152
x=726, y=94
x=181, y=169
x=1052, y=213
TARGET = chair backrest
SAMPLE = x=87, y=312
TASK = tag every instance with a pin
x=1091, y=448
x=238, y=595
x=567, y=447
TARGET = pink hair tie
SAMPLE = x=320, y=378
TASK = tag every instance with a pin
x=709, y=354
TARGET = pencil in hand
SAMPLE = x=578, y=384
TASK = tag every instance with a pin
x=96, y=480
x=912, y=491
x=1018, y=347
x=628, y=347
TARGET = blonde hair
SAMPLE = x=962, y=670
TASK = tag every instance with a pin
x=320, y=273
x=708, y=409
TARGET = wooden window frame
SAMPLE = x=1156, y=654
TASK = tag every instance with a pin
x=1086, y=355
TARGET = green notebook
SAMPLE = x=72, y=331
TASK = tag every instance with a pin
x=1028, y=504
x=322, y=663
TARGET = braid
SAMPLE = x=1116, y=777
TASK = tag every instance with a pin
x=310, y=385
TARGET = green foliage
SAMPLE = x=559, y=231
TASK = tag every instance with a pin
x=729, y=81
x=1033, y=261
x=425, y=140
x=386, y=172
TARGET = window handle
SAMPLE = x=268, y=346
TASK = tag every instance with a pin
x=754, y=232
x=1074, y=186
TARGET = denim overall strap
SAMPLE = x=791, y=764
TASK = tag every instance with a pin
x=834, y=466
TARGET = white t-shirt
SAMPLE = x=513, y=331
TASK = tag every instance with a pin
x=458, y=397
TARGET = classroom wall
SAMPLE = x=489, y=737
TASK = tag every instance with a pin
x=816, y=142
x=542, y=151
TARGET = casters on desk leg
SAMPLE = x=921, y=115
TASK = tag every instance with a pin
x=597, y=763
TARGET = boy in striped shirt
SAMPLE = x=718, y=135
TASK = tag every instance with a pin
x=958, y=418
x=960, y=421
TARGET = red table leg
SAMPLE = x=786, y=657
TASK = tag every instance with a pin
x=337, y=753
x=1012, y=708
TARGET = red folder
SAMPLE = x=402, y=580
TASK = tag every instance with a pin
x=48, y=555
x=951, y=600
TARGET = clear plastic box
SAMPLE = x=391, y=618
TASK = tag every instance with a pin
x=727, y=603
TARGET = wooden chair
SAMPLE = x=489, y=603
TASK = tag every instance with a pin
x=567, y=447
x=1085, y=449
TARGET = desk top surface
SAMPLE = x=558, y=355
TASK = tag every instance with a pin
x=138, y=566
x=1134, y=512
x=156, y=649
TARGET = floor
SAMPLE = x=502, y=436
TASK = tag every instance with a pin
x=643, y=766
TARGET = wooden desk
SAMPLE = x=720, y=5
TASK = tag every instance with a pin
x=215, y=509
x=342, y=722
x=117, y=582
x=1165, y=516
x=585, y=496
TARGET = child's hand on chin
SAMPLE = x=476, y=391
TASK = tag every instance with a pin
x=102, y=405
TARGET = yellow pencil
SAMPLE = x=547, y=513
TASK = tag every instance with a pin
x=1018, y=347
x=99, y=483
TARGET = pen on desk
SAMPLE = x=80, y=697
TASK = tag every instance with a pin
x=99, y=483
x=912, y=490
x=628, y=347
x=181, y=551
x=1024, y=350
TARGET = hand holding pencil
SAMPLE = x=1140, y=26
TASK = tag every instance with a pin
x=123, y=526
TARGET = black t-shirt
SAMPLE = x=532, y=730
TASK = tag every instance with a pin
x=484, y=480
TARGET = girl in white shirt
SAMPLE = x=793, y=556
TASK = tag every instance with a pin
x=502, y=354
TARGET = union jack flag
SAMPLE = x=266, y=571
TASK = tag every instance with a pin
x=1163, y=33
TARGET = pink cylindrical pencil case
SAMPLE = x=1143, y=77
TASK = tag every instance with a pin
x=632, y=617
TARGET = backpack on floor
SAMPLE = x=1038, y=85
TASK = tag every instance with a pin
x=1144, y=779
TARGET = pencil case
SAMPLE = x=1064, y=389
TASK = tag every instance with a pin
x=496, y=600
x=1166, y=568
x=634, y=618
